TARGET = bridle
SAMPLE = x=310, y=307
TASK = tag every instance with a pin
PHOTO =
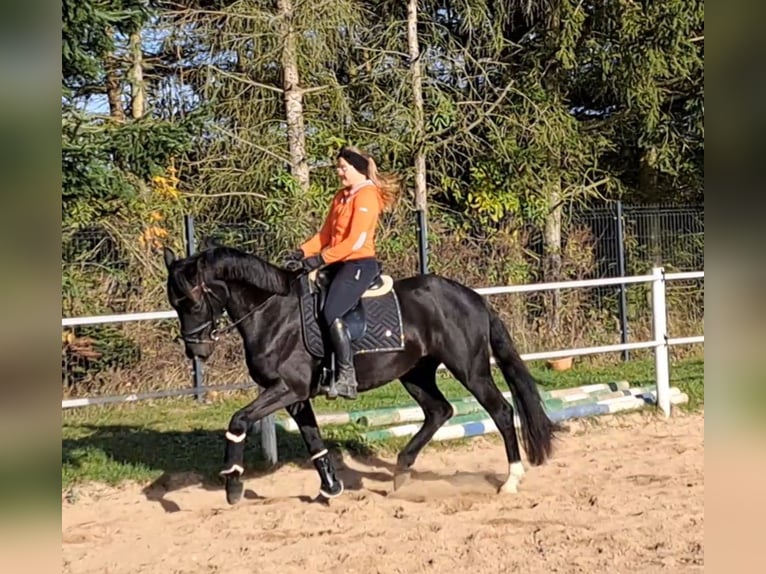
x=215, y=333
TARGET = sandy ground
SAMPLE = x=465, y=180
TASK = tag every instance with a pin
x=622, y=494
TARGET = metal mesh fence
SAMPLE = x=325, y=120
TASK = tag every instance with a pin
x=103, y=274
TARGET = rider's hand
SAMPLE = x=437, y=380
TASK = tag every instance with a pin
x=293, y=261
x=313, y=262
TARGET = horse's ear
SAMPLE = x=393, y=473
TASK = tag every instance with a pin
x=169, y=256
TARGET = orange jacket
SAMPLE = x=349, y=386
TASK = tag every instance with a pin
x=349, y=229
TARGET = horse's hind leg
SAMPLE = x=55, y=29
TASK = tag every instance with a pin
x=420, y=382
x=477, y=378
x=303, y=415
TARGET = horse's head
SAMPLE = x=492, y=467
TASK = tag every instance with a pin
x=198, y=298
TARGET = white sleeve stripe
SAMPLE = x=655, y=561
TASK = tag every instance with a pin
x=359, y=242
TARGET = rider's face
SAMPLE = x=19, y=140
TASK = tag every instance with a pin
x=347, y=174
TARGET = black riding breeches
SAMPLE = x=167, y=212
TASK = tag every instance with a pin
x=349, y=280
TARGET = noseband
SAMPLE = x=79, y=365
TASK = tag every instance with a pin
x=190, y=336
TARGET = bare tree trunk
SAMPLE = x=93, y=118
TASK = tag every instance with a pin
x=421, y=203
x=293, y=97
x=552, y=232
x=138, y=103
x=114, y=95
x=113, y=88
x=552, y=244
x=417, y=92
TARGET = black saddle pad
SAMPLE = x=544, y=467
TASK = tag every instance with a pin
x=384, y=332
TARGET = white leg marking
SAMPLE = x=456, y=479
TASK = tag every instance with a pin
x=320, y=454
x=328, y=495
x=232, y=468
x=234, y=437
x=511, y=485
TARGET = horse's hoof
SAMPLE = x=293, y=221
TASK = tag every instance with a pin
x=234, y=488
x=334, y=491
x=510, y=486
x=401, y=478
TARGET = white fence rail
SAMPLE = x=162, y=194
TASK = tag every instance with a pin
x=122, y=318
x=660, y=342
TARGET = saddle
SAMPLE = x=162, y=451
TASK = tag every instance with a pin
x=355, y=318
x=374, y=323
x=380, y=285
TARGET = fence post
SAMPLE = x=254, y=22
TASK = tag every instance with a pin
x=659, y=313
x=268, y=428
x=621, y=271
x=191, y=247
x=267, y=425
x=422, y=241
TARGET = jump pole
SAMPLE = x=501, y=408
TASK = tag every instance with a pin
x=463, y=429
x=464, y=405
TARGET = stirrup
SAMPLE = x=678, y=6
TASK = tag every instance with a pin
x=327, y=384
x=343, y=390
x=330, y=390
x=329, y=387
x=346, y=386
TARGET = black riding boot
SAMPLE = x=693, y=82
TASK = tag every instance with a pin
x=345, y=376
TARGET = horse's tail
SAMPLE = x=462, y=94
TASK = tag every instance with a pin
x=537, y=429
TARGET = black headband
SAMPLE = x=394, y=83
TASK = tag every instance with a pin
x=360, y=163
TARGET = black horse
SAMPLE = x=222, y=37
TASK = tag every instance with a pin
x=441, y=321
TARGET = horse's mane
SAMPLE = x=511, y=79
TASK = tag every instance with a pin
x=231, y=264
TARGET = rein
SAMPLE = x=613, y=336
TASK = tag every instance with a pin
x=215, y=334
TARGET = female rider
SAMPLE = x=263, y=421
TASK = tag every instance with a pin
x=346, y=246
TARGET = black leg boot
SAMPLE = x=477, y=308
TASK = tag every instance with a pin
x=331, y=486
x=345, y=376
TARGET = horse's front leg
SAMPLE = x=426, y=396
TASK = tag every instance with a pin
x=303, y=415
x=268, y=401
